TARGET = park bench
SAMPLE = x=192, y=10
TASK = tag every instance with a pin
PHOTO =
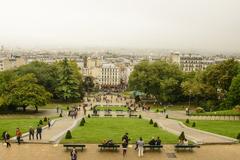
x=133, y=115
x=107, y=115
x=95, y=115
x=186, y=147
x=76, y=146
x=113, y=147
x=119, y=110
x=120, y=115
x=152, y=147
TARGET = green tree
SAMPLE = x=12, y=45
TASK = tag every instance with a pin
x=88, y=84
x=69, y=86
x=233, y=96
x=24, y=92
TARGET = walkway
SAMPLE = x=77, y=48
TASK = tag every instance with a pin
x=194, y=135
x=55, y=132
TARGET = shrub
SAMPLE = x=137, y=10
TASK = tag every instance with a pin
x=41, y=122
x=238, y=136
x=68, y=135
x=67, y=108
x=151, y=121
x=89, y=116
x=193, y=124
x=167, y=116
x=237, y=108
x=60, y=115
x=45, y=119
x=83, y=120
x=140, y=117
x=187, y=121
x=199, y=110
x=155, y=124
x=157, y=110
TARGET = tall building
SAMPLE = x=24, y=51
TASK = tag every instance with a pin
x=110, y=75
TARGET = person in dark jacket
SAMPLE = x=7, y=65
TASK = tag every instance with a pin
x=73, y=154
x=39, y=132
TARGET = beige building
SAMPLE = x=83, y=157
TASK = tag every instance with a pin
x=11, y=62
x=187, y=62
x=110, y=75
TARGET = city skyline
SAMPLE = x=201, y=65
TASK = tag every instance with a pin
x=177, y=25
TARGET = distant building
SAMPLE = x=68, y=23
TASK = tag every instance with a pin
x=11, y=62
x=110, y=75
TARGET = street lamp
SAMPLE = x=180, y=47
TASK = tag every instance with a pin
x=189, y=100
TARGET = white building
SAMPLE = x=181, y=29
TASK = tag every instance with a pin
x=110, y=75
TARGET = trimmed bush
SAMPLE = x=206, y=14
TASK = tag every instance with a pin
x=155, y=124
x=89, y=116
x=238, y=136
x=187, y=121
x=67, y=108
x=45, y=119
x=151, y=121
x=60, y=115
x=157, y=110
x=140, y=117
x=167, y=116
x=200, y=110
x=41, y=122
x=68, y=135
x=83, y=120
x=193, y=124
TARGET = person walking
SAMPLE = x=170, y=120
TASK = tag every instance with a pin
x=73, y=154
x=125, y=137
x=7, y=139
x=49, y=123
x=124, y=147
x=39, y=132
x=31, y=133
x=140, y=144
x=18, y=135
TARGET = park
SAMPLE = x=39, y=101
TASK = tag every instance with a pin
x=95, y=121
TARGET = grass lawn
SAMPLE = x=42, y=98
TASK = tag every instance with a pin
x=98, y=129
x=218, y=113
x=226, y=128
x=60, y=105
x=10, y=124
x=113, y=108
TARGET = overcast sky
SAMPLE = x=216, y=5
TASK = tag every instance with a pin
x=185, y=24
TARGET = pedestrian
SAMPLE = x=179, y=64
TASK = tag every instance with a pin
x=125, y=137
x=140, y=144
x=73, y=154
x=39, y=132
x=18, y=135
x=6, y=139
x=49, y=123
x=31, y=133
x=124, y=147
x=57, y=109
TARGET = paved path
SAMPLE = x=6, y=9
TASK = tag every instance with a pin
x=57, y=152
x=195, y=135
x=56, y=131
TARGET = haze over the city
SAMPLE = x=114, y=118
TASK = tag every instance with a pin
x=211, y=25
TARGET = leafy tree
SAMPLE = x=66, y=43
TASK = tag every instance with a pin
x=24, y=91
x=69, y=86
x=233, y=96
x=88, y=84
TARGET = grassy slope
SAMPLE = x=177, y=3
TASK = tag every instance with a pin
x=98, y=129
x=226, y=128
x=11, y=124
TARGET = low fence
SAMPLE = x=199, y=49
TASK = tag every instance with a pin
x=216, y=117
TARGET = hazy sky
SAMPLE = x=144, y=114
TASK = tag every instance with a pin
x=185, y=24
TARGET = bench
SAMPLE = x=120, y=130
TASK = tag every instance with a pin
x=119, y=110
x=120, y=115
x=152, y=147
x=107, y=115
x=113, y=147
x=133, y=115
x=95, y=115
x=76, y=146
x=186, y=147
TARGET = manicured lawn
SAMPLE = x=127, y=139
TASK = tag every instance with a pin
x=226, y=128
x=113, y=108
x=60, y=105
x=219, y=113
x=98, y=129
x=11, y=124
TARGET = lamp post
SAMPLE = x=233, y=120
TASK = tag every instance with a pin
x=189, y=100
